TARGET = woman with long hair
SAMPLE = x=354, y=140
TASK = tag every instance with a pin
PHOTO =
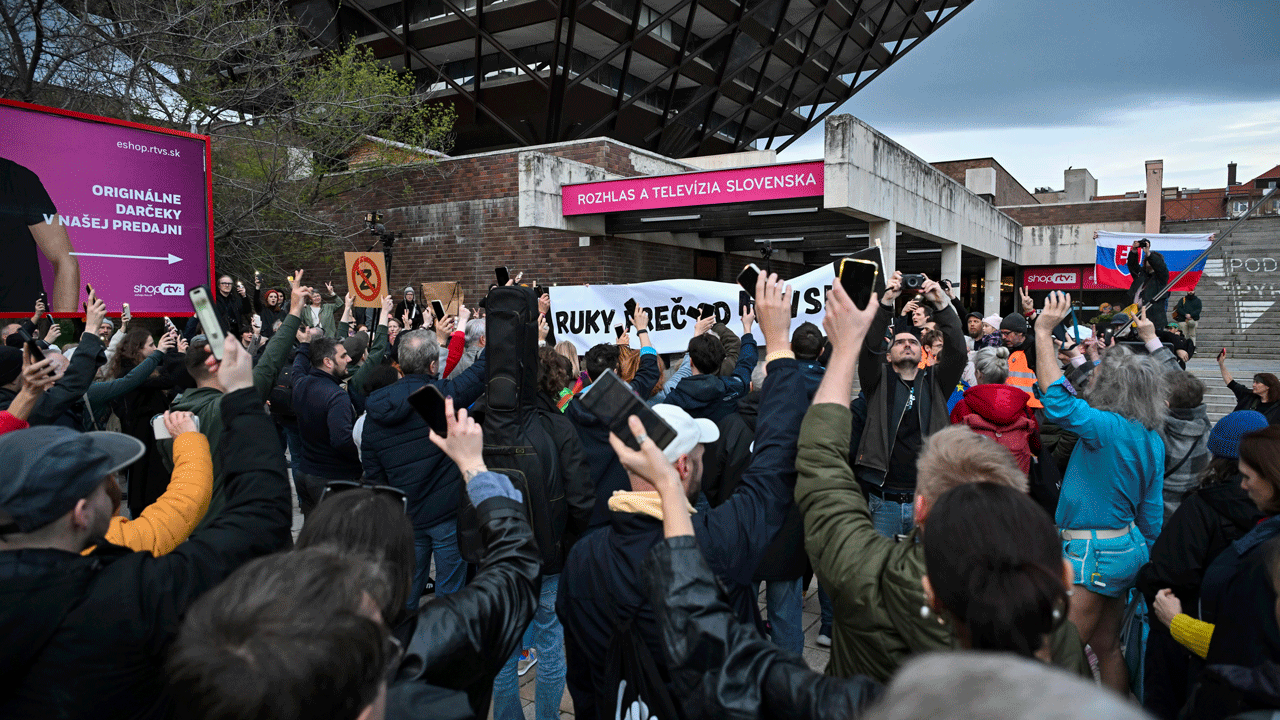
x=150, y=396
x=1111, y=505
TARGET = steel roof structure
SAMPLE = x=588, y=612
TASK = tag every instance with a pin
x=679, y=77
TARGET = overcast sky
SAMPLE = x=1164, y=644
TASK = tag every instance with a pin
x=1043, y=85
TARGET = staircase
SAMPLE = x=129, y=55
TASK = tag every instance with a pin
x=1240, y=290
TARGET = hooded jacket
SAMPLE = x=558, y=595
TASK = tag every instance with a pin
x=86, y=636
x=1186, y=452
x=396, y=448
x=712, y=396
x=603, y=583
x=873, y=581
x=933, y=385
x=1000, y=412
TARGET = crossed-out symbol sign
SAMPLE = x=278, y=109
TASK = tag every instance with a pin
x=366, y=281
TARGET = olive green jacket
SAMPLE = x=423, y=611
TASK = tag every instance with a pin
x=873, y=581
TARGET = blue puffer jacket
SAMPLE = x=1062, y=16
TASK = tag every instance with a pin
x=396, y=448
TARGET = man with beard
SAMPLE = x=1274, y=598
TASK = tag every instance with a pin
x=905, y=403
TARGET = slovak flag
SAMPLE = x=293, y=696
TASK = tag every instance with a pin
x=1179, y=250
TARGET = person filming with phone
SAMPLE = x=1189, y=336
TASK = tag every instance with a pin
x=905, y=403
x=1150, y=274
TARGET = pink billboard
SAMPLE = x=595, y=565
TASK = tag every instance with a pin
x=768, y=182
x=88, y=200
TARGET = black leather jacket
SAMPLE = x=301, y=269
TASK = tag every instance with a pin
x=722, y=668
x=459, y=642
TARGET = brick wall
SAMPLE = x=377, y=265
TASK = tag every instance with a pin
x=1076, y=213
x=1008, y=190
x=458, y=220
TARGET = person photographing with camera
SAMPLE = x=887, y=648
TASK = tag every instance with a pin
x=905, y=403
x=1150, y=274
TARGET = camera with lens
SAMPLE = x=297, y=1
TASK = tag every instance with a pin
x=913, y=281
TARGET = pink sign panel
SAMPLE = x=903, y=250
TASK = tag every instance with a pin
x=88, y=200
x=1051, y=278
x=714, y=187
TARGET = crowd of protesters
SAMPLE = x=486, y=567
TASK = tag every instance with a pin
x=1000, y=519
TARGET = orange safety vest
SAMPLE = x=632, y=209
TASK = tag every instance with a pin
x=1022, y=377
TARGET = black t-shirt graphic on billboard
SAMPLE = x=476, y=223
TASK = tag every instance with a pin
x=23, y=203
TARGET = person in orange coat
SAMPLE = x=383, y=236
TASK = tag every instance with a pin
x=170, y=520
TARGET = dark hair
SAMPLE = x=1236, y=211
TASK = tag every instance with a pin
x=930, y=336
x=706, y=352
x=995, y=563
x=600, y=358
x=356, y=345
x=1260, y=450
x=1273, y=385
x=323, y=348
x=373, y=526
x=284, y=636
x=380, y=377
x=1185, y=390
x=1220, y=470
x=806, y=341
x=129, y=352
x=554, y=372
x=197, y=352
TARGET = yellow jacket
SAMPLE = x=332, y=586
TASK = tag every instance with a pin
x=169, y=521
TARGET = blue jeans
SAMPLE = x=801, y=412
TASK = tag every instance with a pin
x=784, y=601
x=451, y=570
x=293, y=439
x=891, y=518
x=546, y=635
x=824, y=606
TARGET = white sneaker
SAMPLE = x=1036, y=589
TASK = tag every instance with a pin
x=824, y=640
x=528, y=658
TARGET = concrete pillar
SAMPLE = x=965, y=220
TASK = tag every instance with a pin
x=1155, y=195
x=951, y=264
x=991, y=296
x=886, y=231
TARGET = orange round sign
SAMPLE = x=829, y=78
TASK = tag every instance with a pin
x=366, y=280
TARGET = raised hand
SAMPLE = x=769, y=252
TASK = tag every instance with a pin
x=703, y=325
x=1056, y=307
x=168, y=341
x=55, y=331
x=1146, y=328
x=235, y=371
x=329, y=286
x=95, y=311
x=388, y=304
x=932, y=292
x=1027, y=304
x=892, y=289
x=773, y=310
x=845, y=324
x=465, y=442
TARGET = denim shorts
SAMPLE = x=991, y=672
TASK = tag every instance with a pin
x=1108, y=566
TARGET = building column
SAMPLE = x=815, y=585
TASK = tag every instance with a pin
x=991, y=295
x=886, y=231
x=951, y=264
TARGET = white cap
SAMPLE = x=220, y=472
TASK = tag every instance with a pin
x=689, y=431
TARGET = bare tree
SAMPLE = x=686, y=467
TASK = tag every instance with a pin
x=284, y=116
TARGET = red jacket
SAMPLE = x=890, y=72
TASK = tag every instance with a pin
x=1000, y=412
x=9, y=423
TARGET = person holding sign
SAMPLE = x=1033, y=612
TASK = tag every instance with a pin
x=29, y=220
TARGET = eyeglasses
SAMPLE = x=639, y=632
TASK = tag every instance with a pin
x=336, y=486
x=227, y=284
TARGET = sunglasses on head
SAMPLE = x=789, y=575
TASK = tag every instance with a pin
x=336, y=486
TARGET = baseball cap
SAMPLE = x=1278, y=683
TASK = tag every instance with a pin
x=1014, y=322
x=48, y=469
x=690, y=431
x=973, y=314
x=1173, y=325
x=1120, y=318
x=1224, y=439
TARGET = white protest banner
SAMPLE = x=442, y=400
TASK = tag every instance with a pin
x=585, y=314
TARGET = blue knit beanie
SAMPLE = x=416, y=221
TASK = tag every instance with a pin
x=1224, y=439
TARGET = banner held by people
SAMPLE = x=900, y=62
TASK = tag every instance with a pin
x=1179, y=250
x=586, y=314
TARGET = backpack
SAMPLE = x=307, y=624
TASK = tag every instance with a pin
x=632, y=687
x=517, y=441
x=281, y=395
x=1016, y=435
